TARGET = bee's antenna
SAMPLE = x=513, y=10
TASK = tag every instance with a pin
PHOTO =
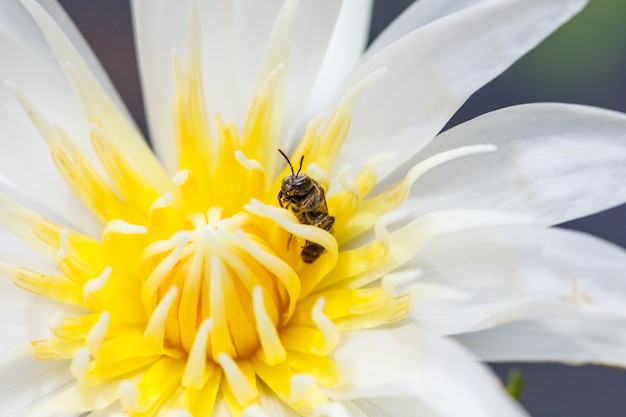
x=289, y=162
x=301, y=160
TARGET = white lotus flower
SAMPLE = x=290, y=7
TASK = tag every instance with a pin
x=177, y=285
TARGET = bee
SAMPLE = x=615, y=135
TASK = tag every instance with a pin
x=305, y=198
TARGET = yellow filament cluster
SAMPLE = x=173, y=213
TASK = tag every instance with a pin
x=196, y=292
x=196, y=295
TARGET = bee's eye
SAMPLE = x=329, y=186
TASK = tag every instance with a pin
x=302, y=181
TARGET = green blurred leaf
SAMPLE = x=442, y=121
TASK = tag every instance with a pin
x=515, y=383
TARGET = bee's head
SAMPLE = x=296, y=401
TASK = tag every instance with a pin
x=297, y=185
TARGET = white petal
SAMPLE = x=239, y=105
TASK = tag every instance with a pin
x=24, y=381
x=406, y=371
x=114, y=410
x=24, y=316
x=100, y=108
x=160, y=27
x=255, y=21
x=316, y=22
x=26, y=168
x=234, y=36
x=508, y=274
x=433, y=70
x=16, y=19
x=556, y=162
x=272, y=406
x=418, y=14
x=343, y=53
x=570, y=340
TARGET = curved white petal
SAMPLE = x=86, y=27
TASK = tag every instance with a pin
x=99, y=108
x=343, y=53
x=316, y=26
x=15, y=18
x=26, y=168
x=160, y=27
x=24, y=381
x=569, y=340
x=406, y=371
x=556, y=162
x=418, y=14
x=433, y=70
x=494, y=276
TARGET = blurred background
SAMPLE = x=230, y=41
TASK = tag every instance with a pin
x=584, y=62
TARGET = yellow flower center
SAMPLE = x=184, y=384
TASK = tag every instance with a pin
x=197, y=293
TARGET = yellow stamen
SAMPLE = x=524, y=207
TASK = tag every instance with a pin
x=197, y=291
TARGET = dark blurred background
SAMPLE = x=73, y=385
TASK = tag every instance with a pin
x=584, y=62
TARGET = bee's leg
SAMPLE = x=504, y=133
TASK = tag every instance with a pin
x=289, y=241
x=310, y=252
x=280, y=199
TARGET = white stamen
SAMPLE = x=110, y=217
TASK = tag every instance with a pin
x=161, y=202
x=269, y=83
x=80, y=364
x=391, y=282
x=56, y=321
x=314, y=125
x=347, y=183
x=129, y=396
x=325, y=325
x=180, y=177
x=123, y=228
x=317, y=173
x=287, y=221
x=217, y=304
x=426, y=165
x=161, y=246
x=250, y=164
x=96, y=284
x=64, y=246
x=241, y=388
x=380, y=227
x=97, y=333
x=193, y=377
x=281, y=269
x=273, y=350
x=155, y=330
x=161, y=271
